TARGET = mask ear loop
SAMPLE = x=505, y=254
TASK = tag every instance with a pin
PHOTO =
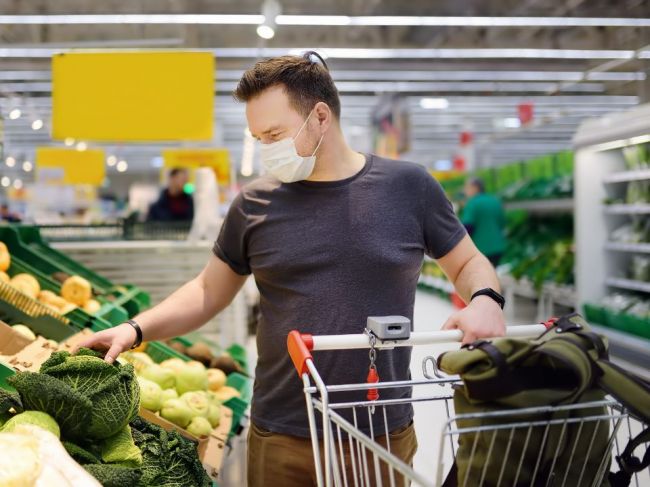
x=304, y=123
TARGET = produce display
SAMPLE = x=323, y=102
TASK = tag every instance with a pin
x=636, y=156
x=636, y=231
x=186, y=393
x=540, y=249
x=625, y=312
x=94, y=406
x=535, y=189
x=201, y=352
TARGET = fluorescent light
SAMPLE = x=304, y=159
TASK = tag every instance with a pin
x=313, y=20
x=18, y=184
x=157, y=162
x=122, y=166
x=69, y=141
x=15, y=114
x=27, y=166
x=132, y=19
x=309, y=20
x=82, y=146
x=265, y=31
x=111, y=160
x=618, y=144
x=37, y=124
x=434, y=103
x=511, y=123
x=443, y=165
x=10, y=161
x=366, y=53
x=5, y=181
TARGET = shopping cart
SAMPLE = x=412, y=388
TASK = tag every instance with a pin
x=344, y=455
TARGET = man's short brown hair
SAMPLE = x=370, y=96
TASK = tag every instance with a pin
x=305, y=79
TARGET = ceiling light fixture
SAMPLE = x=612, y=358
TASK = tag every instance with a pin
x=122, y=166
x=307, y=20
x=27, y=166
x=5, y=181
x=111, y=160
x=37, y=124
x=270, y=10
x=18, y=184
x=434, y=103
x=82, y=146
x=15, y=114
x=10, y=161
x=69, y=141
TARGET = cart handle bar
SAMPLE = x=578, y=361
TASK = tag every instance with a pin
x=301, y=345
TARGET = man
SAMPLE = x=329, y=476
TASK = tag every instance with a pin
x=484, y=219
x=174, y=204
x=332, y=237
x=7, y=215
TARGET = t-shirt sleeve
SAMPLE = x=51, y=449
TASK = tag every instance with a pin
x=231, y=245
x=441, y=227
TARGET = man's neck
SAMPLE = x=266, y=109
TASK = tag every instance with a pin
x=335, y=160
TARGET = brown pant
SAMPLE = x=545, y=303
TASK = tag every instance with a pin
x=277, y=459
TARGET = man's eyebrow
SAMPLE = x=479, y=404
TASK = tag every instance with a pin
x=272, y=129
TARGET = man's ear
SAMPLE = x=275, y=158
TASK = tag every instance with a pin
x=324, y=116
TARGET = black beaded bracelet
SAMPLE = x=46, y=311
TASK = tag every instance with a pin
x=138, y=332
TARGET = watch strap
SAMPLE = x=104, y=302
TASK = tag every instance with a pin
x=491, y=293
x=138, y=333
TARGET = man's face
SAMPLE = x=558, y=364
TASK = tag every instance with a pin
x=470, y=190
x=272, y=118
x=178, y=181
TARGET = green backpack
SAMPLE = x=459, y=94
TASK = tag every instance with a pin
x=570, y=446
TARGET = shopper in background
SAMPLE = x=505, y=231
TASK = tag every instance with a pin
x=331, y=236
x=174, y=204
x=484, y=219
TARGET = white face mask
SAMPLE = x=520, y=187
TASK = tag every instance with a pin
x=281, y=158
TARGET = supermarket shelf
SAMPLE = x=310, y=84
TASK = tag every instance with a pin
x=628, y=247
x=628, y=284
x=620, y=209
x=632, y=349
x=437, y=283
x=627, y=176
x=560, y=205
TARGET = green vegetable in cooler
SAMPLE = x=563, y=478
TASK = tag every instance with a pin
x=214, y=415
x=199, y=426
x=198, y=402
x=192, y=377
x=178, y=412
x=121, y=449
x=114, y=475
x=160, y=375
x=88, y=398
x=36, y=418
x=150, y=395
x=168, y=394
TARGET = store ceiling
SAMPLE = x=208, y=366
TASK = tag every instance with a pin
x=569, y=72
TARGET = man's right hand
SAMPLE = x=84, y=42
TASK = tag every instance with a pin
x=114, y=341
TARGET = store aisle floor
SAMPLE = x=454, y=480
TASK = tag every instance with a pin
x=430, y=314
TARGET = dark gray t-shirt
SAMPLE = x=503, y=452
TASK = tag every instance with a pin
x=325, y=256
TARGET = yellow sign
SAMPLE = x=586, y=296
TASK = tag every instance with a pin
x=58, y=165
x=133, y=96
x=217, y=159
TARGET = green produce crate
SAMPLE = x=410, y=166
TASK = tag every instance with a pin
x=239, y=405
x=15, y=308
x=6, y=372
x=158, y=351
x=30, y=247
x=113, y=314
x=595, y=314
x=635, y=325
x=44, y=268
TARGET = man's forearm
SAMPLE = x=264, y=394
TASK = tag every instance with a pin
x=476, y=274
x=188, y=308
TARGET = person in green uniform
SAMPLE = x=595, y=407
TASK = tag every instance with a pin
x=484, y=219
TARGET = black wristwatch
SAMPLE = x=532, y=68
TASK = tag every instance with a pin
x=138, y=333
x=500, y=300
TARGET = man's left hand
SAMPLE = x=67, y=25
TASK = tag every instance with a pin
x=482, y=318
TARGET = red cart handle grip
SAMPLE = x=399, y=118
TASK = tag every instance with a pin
x=299, y=346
